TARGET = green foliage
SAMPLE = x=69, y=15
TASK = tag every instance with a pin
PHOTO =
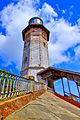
x=14, y=88
x=2, y=79
x=4, y=70
x=1, y=99
x=13, y=96
x=39, y=65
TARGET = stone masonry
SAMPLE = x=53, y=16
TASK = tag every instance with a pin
x=35, y=54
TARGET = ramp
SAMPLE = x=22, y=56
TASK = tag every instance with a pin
x=47, y=107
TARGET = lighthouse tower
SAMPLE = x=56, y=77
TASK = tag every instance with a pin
x=35, y=54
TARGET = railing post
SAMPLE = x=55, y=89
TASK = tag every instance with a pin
x=9, y=89
x=18, y=85
x=7, y=83
x=3, y=86
x=13, y=82
x=10, y=85
x=17, y=82
x=14, y=85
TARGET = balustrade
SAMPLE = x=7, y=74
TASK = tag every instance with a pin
x=14, y=85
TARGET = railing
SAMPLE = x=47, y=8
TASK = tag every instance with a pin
x=14, y=85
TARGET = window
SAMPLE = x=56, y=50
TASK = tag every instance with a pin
x=40, y=22
x=44, y=44
x=25, y=59
x=24, y=45
x=35, y=20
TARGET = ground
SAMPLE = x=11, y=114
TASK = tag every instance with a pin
x=46, y=107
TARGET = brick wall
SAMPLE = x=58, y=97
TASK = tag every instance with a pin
x=7, y=107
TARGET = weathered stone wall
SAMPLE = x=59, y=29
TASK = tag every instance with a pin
x=34, y=72
x=44, y=52
x=35, y=53
x=26, y=54
x=12, y=105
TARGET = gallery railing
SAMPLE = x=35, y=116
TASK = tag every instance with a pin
x=14, y=85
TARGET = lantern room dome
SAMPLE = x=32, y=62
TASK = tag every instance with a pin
x=35, y=20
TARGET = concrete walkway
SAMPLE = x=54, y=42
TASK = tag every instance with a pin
x=46, y=107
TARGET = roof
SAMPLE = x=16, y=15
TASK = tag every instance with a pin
x=58, y=69
x=58, y=73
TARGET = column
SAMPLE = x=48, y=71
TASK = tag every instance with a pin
x=63, y=85
x=69, y=88
x=78, y=89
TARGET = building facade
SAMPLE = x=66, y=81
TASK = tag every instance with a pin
x=35, y=54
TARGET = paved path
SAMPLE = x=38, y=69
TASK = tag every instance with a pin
x=46, y=107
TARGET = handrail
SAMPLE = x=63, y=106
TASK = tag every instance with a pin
x=14, y=85
x=14, y=74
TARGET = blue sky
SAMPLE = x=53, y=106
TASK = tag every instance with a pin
x=61, y=17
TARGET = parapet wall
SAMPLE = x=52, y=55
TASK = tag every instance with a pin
x=7, y=107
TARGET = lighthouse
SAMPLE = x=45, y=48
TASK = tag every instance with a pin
x=35, y=53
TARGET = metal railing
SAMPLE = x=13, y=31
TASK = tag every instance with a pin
x=14, y=85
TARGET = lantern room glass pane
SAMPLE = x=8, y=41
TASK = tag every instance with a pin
x=35, y=20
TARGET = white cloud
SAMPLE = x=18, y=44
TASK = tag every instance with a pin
x=14, y=19
x=63, y=36
x=72, y=6
x=2, y=40
x=77, y=52
x=78, y=22
x=47, y=9
x=63, y=11
x=47, y=12
x=58, y=7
